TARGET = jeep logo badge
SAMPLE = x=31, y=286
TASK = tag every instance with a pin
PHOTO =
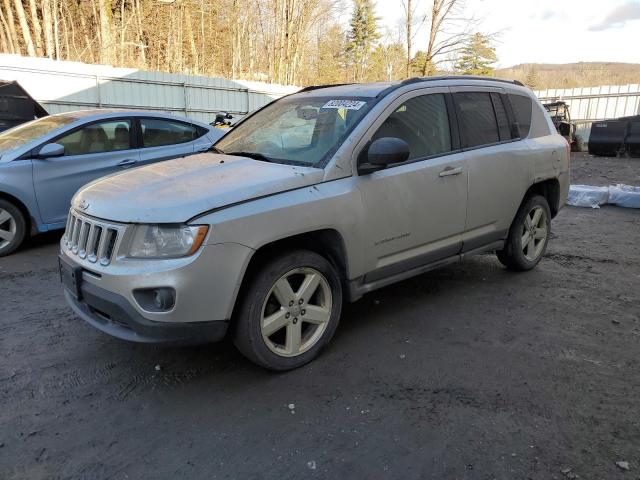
x=84, y=205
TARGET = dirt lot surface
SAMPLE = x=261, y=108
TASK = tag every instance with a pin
x=470, y=372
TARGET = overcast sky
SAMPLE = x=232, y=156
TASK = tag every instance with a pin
x=546, y=31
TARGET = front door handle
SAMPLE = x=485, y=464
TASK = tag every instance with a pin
x=450, y=171
x=127, y=163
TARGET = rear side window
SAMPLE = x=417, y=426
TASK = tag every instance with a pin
x=477, y=120
x=423, y=123
x=521, y=106
x=501, y=116
x=157, y=132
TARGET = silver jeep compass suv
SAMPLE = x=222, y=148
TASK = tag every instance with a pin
x=314, y=200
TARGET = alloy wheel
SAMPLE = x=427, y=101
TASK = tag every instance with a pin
x=296, y=312
x=8, y=227
x=534, y=233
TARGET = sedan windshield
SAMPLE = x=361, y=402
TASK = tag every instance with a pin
x=296, y=130
x=18, y=136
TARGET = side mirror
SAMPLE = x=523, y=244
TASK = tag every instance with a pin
x=51, y=150
x=382, y=153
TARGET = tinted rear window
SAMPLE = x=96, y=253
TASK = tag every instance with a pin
x=521, y=106
x=501, y=116
x=476, y=118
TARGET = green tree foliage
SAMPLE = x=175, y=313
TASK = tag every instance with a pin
x=362, y=36
x=388, y=62
x=477, y=56
x=532, y=80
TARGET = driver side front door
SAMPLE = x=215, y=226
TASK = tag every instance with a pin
x=416, y=211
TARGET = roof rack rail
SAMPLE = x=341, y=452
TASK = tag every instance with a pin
x=316, y=87
x=459, y=77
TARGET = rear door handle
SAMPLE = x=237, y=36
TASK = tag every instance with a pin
x=127, y=163
x=450, y=171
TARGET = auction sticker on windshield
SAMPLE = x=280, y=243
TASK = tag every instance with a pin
x=348, y=104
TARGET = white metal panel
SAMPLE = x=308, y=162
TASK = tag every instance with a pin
x=64, y=86
x=596, y=103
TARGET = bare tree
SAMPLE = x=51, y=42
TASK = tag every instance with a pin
x=11, y=27
x=409, y=12
x=106, y=47
x=448, y=32
x=47, y=19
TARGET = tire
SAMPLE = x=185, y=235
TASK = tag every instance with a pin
x=13, y=227
x=517, y=257
x=578, y=144
x=290, y=338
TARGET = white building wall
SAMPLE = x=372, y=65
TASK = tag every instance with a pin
x=589, y=104
x=62, y=86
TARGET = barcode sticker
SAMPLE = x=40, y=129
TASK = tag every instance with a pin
x=348, y=104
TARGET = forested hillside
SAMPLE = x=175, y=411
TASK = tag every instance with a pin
x=571, y=75
x=297, y=42
x=283, y=41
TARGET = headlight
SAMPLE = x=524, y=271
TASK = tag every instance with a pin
x=157, y=241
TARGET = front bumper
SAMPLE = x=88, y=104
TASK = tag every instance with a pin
x=114, y=315
x=205, y=286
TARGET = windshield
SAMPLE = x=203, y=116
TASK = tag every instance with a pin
x=18, y=136
x=296, y=130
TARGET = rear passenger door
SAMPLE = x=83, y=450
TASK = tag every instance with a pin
x=499, y=165
x=415, y=211
x=163, y=139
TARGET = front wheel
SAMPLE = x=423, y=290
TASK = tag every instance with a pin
x=290, y=311
x=13, y=228
x=528, y=235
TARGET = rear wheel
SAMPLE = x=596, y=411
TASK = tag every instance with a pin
x=528, y=235
x=13, y=227
x=290, y=311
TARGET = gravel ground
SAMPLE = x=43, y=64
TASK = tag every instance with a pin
x=469, y=372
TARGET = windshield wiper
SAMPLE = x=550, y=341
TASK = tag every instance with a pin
x=253, y=155
x=214, y=149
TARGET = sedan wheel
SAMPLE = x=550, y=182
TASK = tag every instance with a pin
x=8, y=228
x=12, y=227
x=296, y=312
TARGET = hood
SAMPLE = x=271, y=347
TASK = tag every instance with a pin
x=178, y=190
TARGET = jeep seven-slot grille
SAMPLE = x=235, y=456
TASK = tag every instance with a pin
x=90, y=239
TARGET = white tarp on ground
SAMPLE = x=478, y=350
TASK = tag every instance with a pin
x=591, y=196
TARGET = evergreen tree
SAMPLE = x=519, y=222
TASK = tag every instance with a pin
x=363, y=34
x=533, y=78
x=477, y=56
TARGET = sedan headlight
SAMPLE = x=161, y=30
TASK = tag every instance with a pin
x=158, y=241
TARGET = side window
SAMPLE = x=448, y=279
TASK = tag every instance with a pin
x=157, y=132
x=478, y=125
x=200, y=131
x=521, y=106
x=502, y=117
x=100, y=137
x=422, y=122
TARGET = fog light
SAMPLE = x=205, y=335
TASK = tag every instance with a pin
x=162, y=299
x=156, y=299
